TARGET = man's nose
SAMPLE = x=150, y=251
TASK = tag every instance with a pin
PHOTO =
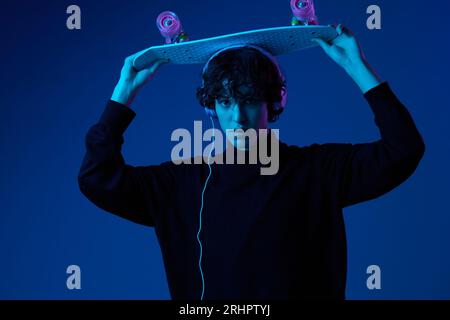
x=239, y=113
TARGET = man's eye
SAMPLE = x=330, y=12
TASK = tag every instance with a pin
x=224, y=102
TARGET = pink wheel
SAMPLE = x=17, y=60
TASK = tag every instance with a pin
x=304, y=11
x=169, y=25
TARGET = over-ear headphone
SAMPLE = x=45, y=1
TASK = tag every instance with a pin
x=278, y=106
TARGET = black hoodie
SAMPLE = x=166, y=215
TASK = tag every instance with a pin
x=277, y=236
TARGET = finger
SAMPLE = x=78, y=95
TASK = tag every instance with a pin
x=153, y=67
x=342, y=29
x=155, y=64
x=325, y=45
x=129, y=59
x=164, y=61
x=158, y=63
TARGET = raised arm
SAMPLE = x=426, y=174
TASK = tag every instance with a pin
x=134, y=193
x=365, y=171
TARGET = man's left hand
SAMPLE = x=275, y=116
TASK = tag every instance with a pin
x=344, y=49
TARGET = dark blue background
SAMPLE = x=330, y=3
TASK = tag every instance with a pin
x=55, y=83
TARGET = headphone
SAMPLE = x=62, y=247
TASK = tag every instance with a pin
x=211, y=113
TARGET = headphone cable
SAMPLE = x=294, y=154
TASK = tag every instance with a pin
x=201, y=209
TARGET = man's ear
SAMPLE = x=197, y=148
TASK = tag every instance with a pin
x=284, y=96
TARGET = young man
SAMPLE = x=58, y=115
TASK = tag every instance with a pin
x=263, y=237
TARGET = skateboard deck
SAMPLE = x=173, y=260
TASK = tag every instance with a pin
x=279, y=40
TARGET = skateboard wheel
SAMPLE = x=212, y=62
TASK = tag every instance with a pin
x=169, y=26
x=304, y=12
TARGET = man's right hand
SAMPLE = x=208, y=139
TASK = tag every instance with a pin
x=131, y=80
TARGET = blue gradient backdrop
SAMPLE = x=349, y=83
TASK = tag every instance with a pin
x=55, y=83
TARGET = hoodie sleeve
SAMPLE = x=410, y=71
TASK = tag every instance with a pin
x=361, y=172
x=137, y=194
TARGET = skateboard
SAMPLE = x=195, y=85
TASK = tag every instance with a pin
x=179, y=49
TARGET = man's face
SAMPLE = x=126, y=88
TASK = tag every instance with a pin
x=244, y=113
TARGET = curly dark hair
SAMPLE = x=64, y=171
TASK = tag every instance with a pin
x=242, y=66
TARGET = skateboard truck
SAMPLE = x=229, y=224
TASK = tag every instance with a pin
x=304, y=13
